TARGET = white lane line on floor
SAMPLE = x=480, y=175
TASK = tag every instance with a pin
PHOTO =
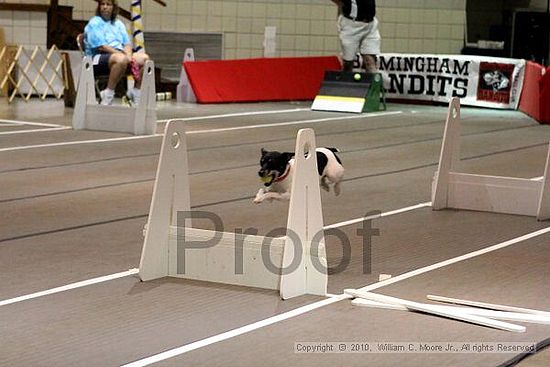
x=455, y=260
x=277, y=124
x=15, y=122
x=233, y=333
x=250, y=113
x=301, y=310
x=297, y=122
x=34, y=130
x=375, y=216
x=67, y=287
x=66, y=143
x=237, y=114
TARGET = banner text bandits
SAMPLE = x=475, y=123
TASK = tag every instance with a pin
x=446, y=73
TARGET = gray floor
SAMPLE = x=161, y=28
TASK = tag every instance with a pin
x=72, y=212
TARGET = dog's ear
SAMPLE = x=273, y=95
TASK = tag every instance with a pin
x=263, y=151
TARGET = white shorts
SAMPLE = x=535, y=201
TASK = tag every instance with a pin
x=358, y=36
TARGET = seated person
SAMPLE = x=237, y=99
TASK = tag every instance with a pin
x=107, y=41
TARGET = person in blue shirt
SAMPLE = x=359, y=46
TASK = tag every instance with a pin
x=107, y=42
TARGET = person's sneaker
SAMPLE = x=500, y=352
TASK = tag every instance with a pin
x=106, y=98
x=133, y=96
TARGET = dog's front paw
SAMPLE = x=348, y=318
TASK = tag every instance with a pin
x=260, y=196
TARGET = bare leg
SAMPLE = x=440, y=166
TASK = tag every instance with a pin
x=118, y=62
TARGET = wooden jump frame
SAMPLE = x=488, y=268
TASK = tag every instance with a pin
x=510, y=195
x=165, y=252
x=88, y=114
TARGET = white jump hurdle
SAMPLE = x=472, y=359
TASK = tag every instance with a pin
x=510, y=195
x=164, y=252
x=184, y=91
x=88, y=114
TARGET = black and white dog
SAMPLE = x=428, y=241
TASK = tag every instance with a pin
x=277, y=169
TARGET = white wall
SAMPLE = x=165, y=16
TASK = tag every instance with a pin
x=24, y=28
x=304, y=27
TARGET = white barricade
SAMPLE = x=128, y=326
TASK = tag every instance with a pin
x=266, y=261
x=510, y=195
x=88, y=114
x=184, y=92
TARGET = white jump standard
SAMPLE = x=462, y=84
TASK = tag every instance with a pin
x=140, y=120
x=297, y=261
x=184, y=90
x=510, y=195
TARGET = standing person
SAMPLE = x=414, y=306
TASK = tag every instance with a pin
x=358, y=31
x=107, y=41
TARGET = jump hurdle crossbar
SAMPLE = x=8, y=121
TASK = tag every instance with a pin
x=165, y=252
x=88, y=114
x=509, y=195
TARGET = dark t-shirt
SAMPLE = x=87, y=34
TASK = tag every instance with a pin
x=366, y=9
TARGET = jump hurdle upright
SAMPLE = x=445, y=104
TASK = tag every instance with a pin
x=184, y=91
x=88, y=114
x=510, y=195
x=302, y=250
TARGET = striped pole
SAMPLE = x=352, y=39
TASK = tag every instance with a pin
x=137, y=27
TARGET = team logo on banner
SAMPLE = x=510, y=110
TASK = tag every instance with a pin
x=495, y=82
